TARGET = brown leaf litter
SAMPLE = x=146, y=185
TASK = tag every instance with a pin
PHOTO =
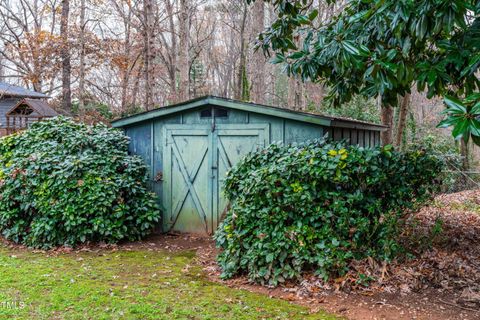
x=440, y=281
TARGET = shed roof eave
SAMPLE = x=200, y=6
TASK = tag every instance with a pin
x=160, y=112
x=358, y=125
x=221, y=102
x=268, y=110
x=249, y=107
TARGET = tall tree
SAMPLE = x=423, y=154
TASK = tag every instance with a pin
x=258, y=59
x=149, y=52
x=2, y=70
x=169, y=56
x=28, y=47
x=184, y=50
x=81, y=76
x=241, y=70
x=66, y=63
x=128, y=57
x=402, y=119
x=295, y=93
x=380, y=49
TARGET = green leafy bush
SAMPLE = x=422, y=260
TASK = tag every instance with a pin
x=443, y=147
x=65, y=183
x=317, y=207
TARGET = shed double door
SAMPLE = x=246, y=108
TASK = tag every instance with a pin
x=196, y=160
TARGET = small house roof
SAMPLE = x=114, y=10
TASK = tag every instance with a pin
x=5, y=106
x=10, y=90
x=40, y=108
x=320, y=119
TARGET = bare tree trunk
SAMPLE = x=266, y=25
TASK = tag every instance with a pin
x=464, y=151
x=300, y=95
x=36, y=56
x=81, y=76
x=402, y=117
x=230, y=69
x=387, y=120
x=136, y=86
x=295, y=91
x=183, y=54
x=66, y=65
x=291, y=94
x=2, y=69
x=242, y=66
x=258, y=63
x=172, y=70
x=126, y=67
x=125, y=12
x=149, y=54
x=295, y=94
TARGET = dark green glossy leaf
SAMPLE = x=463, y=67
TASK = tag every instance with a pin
x=476, y=109
x=460, y=128
x=455, y=104
x=313, y=15
x=451, y=121
x=474, y=127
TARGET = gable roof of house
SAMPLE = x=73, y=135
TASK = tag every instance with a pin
x=40, y=108
x=320, y=119
x=10, y=90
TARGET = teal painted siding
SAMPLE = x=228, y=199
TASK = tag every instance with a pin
x=298, y=132
x=158, y=149
x=188, y=156
x=141, y=142
x=277, y=125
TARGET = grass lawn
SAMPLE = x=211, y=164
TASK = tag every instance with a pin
x=138, y=284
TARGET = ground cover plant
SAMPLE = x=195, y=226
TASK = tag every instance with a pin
x=319, y=206
x=125, y=284
x=65, y=183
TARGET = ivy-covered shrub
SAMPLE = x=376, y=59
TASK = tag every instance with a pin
x=317, y=207
x=66, y=183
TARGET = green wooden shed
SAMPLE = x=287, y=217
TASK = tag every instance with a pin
x=190, y=146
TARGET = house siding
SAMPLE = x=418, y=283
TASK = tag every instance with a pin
x=5, y=106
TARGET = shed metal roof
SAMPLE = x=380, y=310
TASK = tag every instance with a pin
x=40, y=108
x=10, y=90
x=324, y=120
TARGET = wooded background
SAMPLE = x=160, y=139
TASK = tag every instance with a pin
x=118, y=57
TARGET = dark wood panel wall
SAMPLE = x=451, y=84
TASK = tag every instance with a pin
x=364, y=138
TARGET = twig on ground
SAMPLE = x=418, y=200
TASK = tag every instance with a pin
x=458, y=306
